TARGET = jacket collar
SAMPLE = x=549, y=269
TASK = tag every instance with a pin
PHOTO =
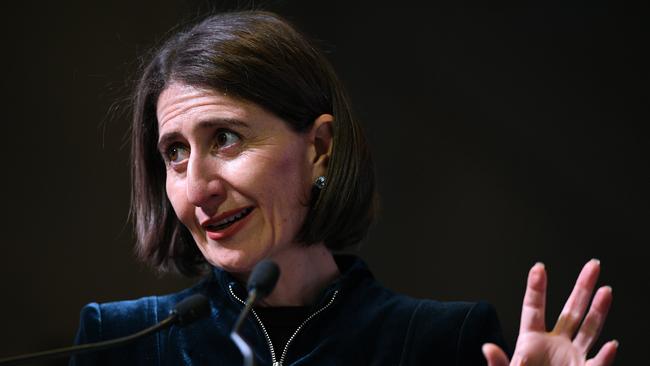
x=352, y=268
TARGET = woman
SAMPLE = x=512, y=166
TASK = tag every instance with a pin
x=244, y=148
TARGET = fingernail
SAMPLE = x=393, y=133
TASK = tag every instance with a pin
x=540, y=264
x=615, y=342
x=611, y=291
x=596, y=260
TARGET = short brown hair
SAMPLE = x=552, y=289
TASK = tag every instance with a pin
x=258, y=57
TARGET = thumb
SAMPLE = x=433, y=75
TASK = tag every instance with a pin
x=494, y=355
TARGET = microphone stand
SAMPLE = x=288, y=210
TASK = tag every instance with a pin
x=244, y=348
x=261, y=282
x=67, y=351
x=185, y=312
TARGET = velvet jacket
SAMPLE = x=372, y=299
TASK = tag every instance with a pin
x=356, y=321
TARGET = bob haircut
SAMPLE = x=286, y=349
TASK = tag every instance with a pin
x=258, y=57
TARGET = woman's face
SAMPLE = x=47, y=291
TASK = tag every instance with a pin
x=237, y=176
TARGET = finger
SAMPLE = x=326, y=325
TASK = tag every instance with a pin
x=576, y=304
x=593, y=323
x=494, y=355
x=534, y=308
x=605, y=356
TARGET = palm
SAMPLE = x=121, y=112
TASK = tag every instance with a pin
x=556, y=350
x=572, y=337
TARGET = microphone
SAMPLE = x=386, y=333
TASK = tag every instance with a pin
x=185, y=312
x=260, y=284
x=191, y=309
x=263, y=279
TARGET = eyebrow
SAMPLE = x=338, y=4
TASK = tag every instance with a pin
x=205, y=124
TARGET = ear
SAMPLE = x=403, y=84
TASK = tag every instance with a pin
x=320, y=137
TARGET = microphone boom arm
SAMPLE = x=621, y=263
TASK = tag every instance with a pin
x=186, y=311
x=66, y=351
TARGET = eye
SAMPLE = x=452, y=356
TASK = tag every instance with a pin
x=226, y=138
x=176, y=153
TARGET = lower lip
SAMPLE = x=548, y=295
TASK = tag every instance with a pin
x=230, y=230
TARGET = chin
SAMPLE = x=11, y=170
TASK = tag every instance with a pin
x=233, y=261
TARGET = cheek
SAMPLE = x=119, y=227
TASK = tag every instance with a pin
x=288, y=190
x=175, y=194
x=278, y=182
x=284, y=176
x=281, y=170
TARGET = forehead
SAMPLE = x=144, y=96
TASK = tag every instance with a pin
x=180, y=102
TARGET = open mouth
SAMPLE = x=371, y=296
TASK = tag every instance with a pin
x=229, y=220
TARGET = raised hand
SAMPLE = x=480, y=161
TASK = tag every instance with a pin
x=561, y=346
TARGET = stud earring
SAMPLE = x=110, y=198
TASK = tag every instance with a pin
x=320, y=182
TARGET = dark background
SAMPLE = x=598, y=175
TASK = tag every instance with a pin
x=502, y=136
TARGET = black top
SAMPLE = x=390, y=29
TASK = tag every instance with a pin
x=282, y=322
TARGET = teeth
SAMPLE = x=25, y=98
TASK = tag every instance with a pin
x=232, y=218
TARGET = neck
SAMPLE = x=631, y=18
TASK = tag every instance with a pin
x=304, y=272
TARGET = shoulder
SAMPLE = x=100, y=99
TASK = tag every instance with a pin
x=435, y=320
x=101, y=321
x=439, y=332
x=464, y=317
x=374, y=297
x=454, y=331
x=105, y=321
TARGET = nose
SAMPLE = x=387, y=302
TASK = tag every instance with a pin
x=205, y=187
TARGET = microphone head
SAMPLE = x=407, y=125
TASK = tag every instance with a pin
x=191, y=309
x=263, y=278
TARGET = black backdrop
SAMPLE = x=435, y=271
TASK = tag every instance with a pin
x=502, y=136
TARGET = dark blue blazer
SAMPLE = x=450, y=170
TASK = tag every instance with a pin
x=356, y=321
